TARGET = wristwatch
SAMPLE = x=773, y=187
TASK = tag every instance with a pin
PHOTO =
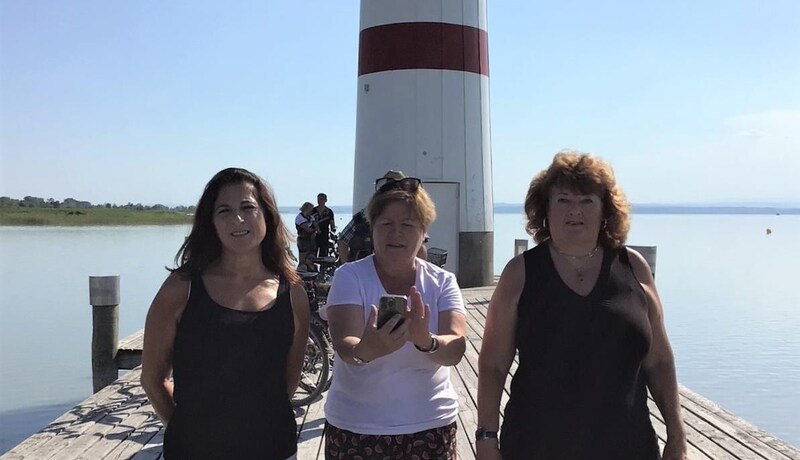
x=434, y=345
x=356, y=359
x=482, y=433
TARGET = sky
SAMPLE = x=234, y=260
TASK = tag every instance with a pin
x=691, y=101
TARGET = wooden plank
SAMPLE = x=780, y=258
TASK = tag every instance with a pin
x=137, y=440
x=94, y=433
x=134, y=341
x=310, y=441
x=477, y=311
x=699, y=446
x=129, y=354
x=114, y=438
x=128, y=359
x=731, y=434
x=153, y=450
x=467, y=411
x=692, y=451
x=784, y=448
x=464, y=446
x=62, y=426
x=71, y=426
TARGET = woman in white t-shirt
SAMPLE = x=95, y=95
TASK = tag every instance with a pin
x=392, y=388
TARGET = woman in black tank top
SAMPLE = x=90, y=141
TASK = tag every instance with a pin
x=582, y=312
x=230, y=324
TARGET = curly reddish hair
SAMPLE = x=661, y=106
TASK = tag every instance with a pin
x=586, y=174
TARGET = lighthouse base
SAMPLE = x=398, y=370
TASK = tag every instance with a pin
x=476, y=257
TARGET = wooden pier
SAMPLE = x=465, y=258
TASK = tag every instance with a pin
x=118, y=422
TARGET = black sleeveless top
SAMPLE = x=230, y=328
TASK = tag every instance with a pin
x=579, y=391
x=229, y=369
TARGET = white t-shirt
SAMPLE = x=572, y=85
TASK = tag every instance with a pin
x=404, y=392
x=300, y=219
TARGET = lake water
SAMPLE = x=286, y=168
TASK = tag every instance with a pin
x=731, y=306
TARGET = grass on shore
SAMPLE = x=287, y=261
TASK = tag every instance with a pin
x=89, y=217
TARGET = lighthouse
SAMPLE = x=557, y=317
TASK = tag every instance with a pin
x=423, y=108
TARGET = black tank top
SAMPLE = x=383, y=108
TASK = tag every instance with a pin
x=229, y=369
x=580, y=390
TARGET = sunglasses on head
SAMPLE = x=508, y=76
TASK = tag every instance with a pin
x=409, y=184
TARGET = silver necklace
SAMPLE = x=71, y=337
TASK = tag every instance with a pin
x=588, y=255
x=579, y=272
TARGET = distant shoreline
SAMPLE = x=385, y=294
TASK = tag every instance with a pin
x=88, y=217
x=677, y=209
x=44, y=217
x=714, y=210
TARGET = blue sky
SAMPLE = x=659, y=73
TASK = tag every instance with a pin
x=690, y=101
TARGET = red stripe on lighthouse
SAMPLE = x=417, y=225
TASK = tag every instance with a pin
x=423, y=45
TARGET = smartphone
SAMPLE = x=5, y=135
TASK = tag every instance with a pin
x=390, y=305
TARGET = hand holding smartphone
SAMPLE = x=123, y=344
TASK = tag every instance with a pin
x=390, y=305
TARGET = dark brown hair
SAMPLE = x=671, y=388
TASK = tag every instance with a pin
x=202, y=246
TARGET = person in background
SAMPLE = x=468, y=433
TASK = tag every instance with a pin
x=391, y=392
x=307, y=265
x=355, y=240
x=306, y=233
x=230, y=325
x=583, y=312
x=326, y=224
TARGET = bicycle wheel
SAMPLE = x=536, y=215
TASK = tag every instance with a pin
x=316, y=368
x=324, y=328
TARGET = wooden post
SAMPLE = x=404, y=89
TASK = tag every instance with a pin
x=649, y=253
x=104, y=298
x=520, y=246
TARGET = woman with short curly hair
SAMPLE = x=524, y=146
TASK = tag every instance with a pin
x=582, y=311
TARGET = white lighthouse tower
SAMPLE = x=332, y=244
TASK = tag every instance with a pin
x=423, y=108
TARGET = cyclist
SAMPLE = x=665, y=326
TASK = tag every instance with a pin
x=306, y=230
x=355, y=240
x=324, y=218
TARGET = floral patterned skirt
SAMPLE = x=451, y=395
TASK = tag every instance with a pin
x=434, y=444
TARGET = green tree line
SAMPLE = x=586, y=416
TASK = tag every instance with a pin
x=71, y=203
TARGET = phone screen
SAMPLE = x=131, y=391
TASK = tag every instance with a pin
x=390, y=305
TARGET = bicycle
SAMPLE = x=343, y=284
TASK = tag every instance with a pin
x=317, y=372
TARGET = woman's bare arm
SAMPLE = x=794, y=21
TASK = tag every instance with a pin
x=301, y=314
x=159, y=337
x=659, y=364
x=497, y=351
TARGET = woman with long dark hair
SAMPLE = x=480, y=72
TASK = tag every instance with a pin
x=230, y=325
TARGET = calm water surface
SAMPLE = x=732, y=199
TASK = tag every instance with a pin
x=731, y=307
